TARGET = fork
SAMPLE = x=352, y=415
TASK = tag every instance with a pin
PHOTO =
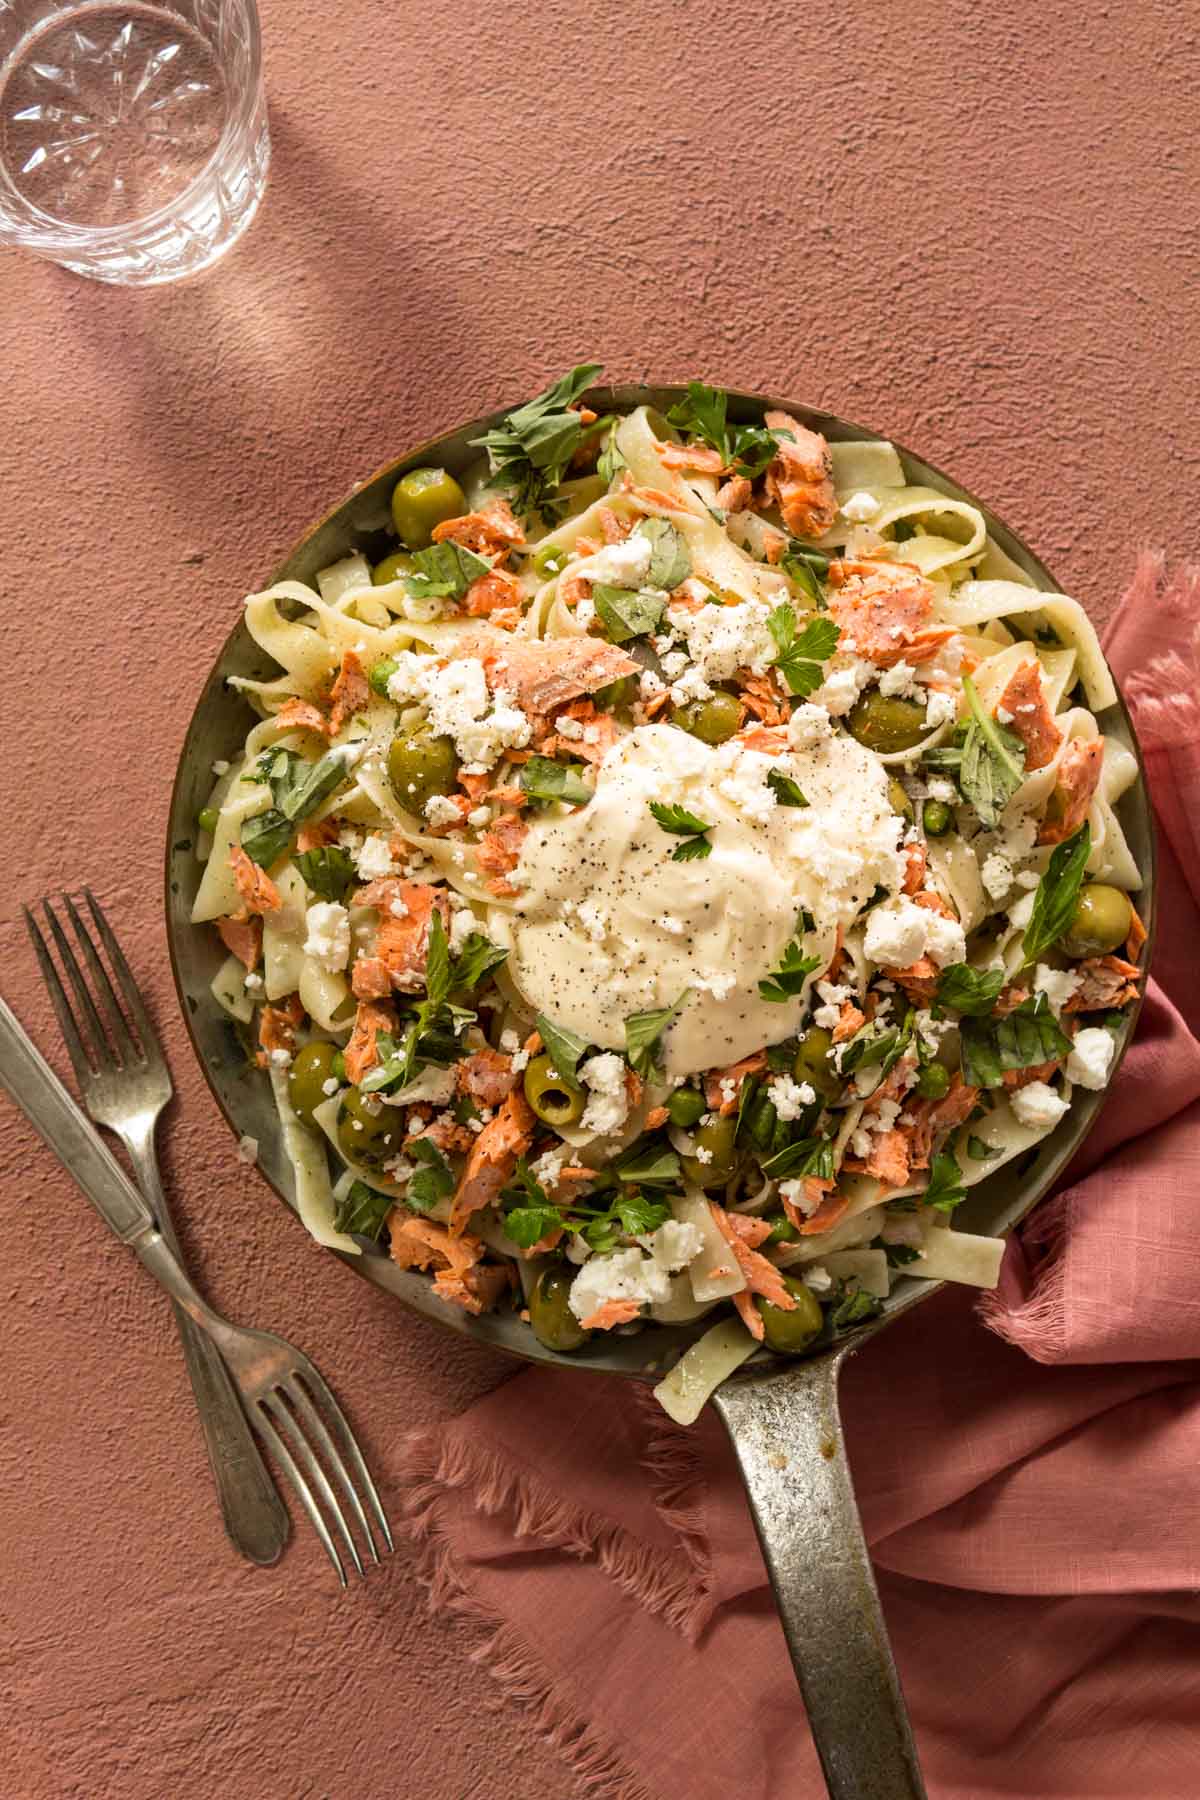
x=279, y=1387
x=125, y=1085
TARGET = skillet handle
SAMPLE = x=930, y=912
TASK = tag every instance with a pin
x=787, y=1437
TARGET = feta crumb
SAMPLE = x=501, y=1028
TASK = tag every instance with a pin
x=818, y=1278
x=996, y=874
x=509, y=1041
x=808, y=725
x=328, y=935
x=330, y=1087
x=462, y=923
x=628, y=1275
x=374, y=857
x=520, y=1061
x=281, y=1058
x=899, y=679
x=220, y=767
x=549, y=1166
x=943, y=790
x=789, y=1098
x=478, y=818
x=1028, y=878
x=842, y=686
x=441, y=810
x=608, y=1099
x=899, y=932
x=940, y=708
x=1003, y=715
x=793, y=1192
x=859, y=506
x=247, y=1150
x=1058, y=985
x=702, y=1155
x=1038, y=1106
x=253, y=983
x=571, y=729
x=1091, y=1057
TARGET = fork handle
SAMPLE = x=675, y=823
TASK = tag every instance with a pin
x=255, y=1517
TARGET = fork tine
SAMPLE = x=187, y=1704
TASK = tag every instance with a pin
x=76, y=1048
x=316, y=1426
x=118, y=1024
x=151, y=1049
x=350, y=1450
x=101, y=1048
x=283, y=1456
x=283, y=1415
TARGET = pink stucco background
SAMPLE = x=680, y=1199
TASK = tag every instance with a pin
x=972, y=227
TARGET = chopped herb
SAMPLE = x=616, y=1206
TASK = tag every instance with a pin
x=643, y=1036
x=682, y=823
x=785, y=982
x=310, y=789
x=528, y=1225
x=563, y=1048
x=610, y=461
x=898, y=1255
x=978, y=1151
x=649, y=1162
x=626, y=614
x=362, y=1210
x=530, y=451
x=786, y=791
x=543, y=779
x=328, y=871
x=445, y=572
x=433, y=1181
x=670, y=558
x=639, y=1215
x=805, y=576
x=747, y=449
x=853, y=1309
x=966, y=990
x=1057, y=892
x=693, y=850
x=802, y=653
x=479, y=956
x=808, y=1156
x=945, y=1190
x=1028, y=1036
x=265, y=837
x=437, y=961
x=993, y=761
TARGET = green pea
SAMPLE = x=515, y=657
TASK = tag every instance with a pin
x=814, y=1062
x=551, y=1099
x=937, y=818
x=393, y=568
x=617, y=693
x=713, y=721
x=1100, y=922
x=550, y=1316
x=782, y=1229
x=339, y=1067
x=719, y=1139
x=207, y=819
x=381, y=673
x=549, y=560
x=369, y=1133
x=933, y=1081
x=422, y=499
x=791, y=1332
x=311, y=1068
x=898, y=795
x=886, y=723
x=686, y=1107
x=420, y=766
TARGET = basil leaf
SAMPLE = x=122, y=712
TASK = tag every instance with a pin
x=643, y=1036
x=993, y=761
x=319, y=780
x=433, y=1181
x=529, y=452
x=966, y=990
x=670, y=559
x=445, y=571
x=479, y=956
x=1028, y=1036
x=785, y=982
x=266, y=837
x=677, y=818
x=528, y=1225
x=362, y=1210
x=808, y=1156
x=805, y=576
x=328, y=871
x=853, y=1309
x=543, y=779
x=945, y=1188
x=1057, y=892
x=694, y=850
x=649, y=1162
x=563, y=1048
x=610, y=462
x=978, y=1151
x=867, y=1047
x=626, y=614
x=786, y=791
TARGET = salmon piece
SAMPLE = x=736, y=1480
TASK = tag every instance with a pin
x=752, y=1231
x=737, y=1073
x=546, y=674
x=839, y=956
x=800, y=479
x=734, y=494
x=475, y=786
x=487, y=1076
x=444, y=1133
x=1078, y=779
x=613, y=1312
x=362, y=1053
x=302, y=715
x=465, y=804
x=493, y=1158
x=888, y=1160
x=653, y=500
x=1106, y=981
x=934, y=903
x=242, y=938
x=850, y=1019
x=499, y=849
x=760, y=696
x=918, y=650
x=477, y=1291
x=459, y=1274
x=315, y=834
x=762, y=1277
x=369, y=979
x=601, y=733
x=1032, y=721
x=656, y=703
x=403, y=943
x=915, y=862
x=1019, y=1078
x=749, y=1314
x=827, y=1215
x=658, y=1115
x=882, y=606
x=1137, y=936
x=491, y=592
x=259, y=893
x=771, y=740
x=919, y=981
x=514, y=798
x=349, y=694
x=933, y=1119
x=700, y=457
x=277, y=1025
x=493, y=529
x=382, y=893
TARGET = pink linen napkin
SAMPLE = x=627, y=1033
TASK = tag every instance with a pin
x=1026, y=1465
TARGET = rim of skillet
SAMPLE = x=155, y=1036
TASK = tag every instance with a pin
x=362, y=521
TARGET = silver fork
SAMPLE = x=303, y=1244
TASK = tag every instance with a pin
x=278, y=1385
x=125, y=1085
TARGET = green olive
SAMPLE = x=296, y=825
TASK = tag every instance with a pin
x=814, y=1062
x=420, y=766
x=381, y=673
x=311, y=1068
x=422, y=499
x=933, y=1081
x=792, y=1332
x=617, y=693
x=886, y=723
x=900, y=800
x=1100, y=923
x=782, y=1229
x=686, y=1107
x=369, y=1132
x=549, y=560
x=392, y=568
x=718, y=1140
x=937, y=818
x=550, y=1316
x=551, y=1099
x=207, y=819
x=712, y=721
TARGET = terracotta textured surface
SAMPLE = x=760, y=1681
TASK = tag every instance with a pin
x=973, y=228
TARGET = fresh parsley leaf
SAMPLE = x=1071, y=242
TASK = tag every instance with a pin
x=786, y=791
x=626, y=614
x=433, y=1181
x=639, y=1215
x=670, y=559
x=437, y=962
x=327, y=871
x=993, y=761
x=563, y=1048
x=945, y=1189
x=801, y=653
x=528, y=1225
x=362, y=1210
x=479, y=956
x=808, y=1156
x=966, y=990
x=445, y=571
x=693, y=850
x=978, y=1151
x=853, y=1309
x=677, y=819
x=610, y=462
x=1057, y=892
x=1026, y=1037
x=785, y=982
x=644, y=1033
x=265, y=837
x=530, y=451
x=746, y=448
x=543, y=779
x=525, y=1186
x=649, y=1162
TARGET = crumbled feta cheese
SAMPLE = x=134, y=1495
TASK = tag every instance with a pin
x=459, y=707
x=509, y=1041
x=608, y=1100
x=328, y=935
x=899, y=679
x=689, y=687
x=374, y=857
x=594, y=920
x=1057, y=984
x=1004, y=716
x=253, y=983
x=729, y=1089
x=220, y=767
x=406, y=683
x=1038, y=1106
x=842, y=686
x=649, y=685
x=330, y=1087
x=520, y=1060
x=996, y=874
x=628, y=1275
x=247, y=1150
x=675, y=1244
x=723, y=639
x=1028, y=878
x=625, y=564
x=715, y=982
x=940, y=708
x=859, y=506
x=281, y=1058
x=585, y=611
x=1091, y=1057
x=674, y=663
x=899, y=932
x=744, y=785
x=441, y=810
x=549, y=1166
x=571, y=729
x=808, y=725
x=943, y=790
x=478, y=818
x=789, y=1098
x=702, y=1155
x=818, y=1278
x=793, y=1192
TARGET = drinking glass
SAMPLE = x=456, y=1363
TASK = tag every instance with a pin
x=133, y=137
